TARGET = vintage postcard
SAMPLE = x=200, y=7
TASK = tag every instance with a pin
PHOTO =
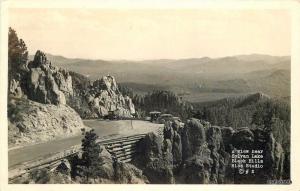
x=109, y=93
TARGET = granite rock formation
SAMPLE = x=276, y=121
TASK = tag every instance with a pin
x=104, y=96
x=37, y=109
x=41, y=98
x=200, y=153
x=96, y=99
x=155, y=159
x=46, y=83
x=39, y=81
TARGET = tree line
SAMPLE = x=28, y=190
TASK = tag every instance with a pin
x=159, y=100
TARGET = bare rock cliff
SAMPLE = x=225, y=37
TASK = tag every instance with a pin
x=33, y=122
x=200, y=153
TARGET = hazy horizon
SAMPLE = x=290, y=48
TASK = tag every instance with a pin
x=138, y=60
x=150, y=34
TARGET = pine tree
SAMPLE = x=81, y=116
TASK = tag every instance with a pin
x=17, y=57
x=90, y=157
x=17, y=51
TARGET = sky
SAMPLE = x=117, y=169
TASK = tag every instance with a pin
x=139, y=34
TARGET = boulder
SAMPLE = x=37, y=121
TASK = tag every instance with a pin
x=15, y=88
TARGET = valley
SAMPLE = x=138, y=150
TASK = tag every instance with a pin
x=211, y=77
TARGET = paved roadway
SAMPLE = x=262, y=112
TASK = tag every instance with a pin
x=104, y=129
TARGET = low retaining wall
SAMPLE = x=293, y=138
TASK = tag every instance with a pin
x=122, y=149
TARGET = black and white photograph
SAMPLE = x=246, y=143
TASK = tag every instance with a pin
x=172, y=95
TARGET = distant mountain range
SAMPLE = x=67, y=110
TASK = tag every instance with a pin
x=196, y=79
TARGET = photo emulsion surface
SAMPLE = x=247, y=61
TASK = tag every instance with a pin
x=148, y=96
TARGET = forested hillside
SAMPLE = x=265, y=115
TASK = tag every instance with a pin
x=159, y=100
x=197, y=79
x=255, y=111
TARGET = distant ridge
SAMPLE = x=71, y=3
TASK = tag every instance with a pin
x=204, y=78
x=252, y=57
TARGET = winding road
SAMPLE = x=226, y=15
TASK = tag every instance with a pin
x=105, y=129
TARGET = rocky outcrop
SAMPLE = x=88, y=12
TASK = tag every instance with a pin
x=200, y=153
x=156, y=159
x=41, y=82
x=172, y=131
x=112, y=171
x=204, y=160
x=97, y=99
x=47, y=84
x=37, y=109
x=44, y=83
x=32, y=122
x=193, y=138
x=104, y=96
